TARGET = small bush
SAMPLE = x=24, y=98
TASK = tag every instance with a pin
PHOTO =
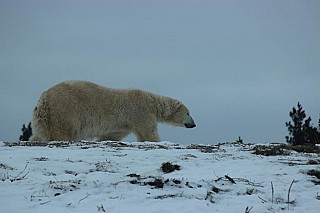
x=26, y=132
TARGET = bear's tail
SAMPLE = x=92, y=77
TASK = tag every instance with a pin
x=40, y=121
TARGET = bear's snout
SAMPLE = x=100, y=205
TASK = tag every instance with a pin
x=189, y=123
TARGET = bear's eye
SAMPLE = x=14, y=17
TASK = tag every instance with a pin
x=188, y=113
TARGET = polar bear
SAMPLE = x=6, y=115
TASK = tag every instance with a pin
x=76, y=110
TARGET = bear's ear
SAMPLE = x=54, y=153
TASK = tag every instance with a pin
x=177, y=105
x=172, y=108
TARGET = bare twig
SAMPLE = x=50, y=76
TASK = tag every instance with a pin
x=289, y=193
x=318, y=196
x=233, y=180
x=23, y=176
x=22, y=170
x=272, y=192
x=209, y=197
x=101, y=208
x=45, y=202
x=38, y=197
x=216, y=175
x=230, y=179
x=84, y=198
x=4, y=176
x=263, y=200
x=248, y=209
x=248, y=182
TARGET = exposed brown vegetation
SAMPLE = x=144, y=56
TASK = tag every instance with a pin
x=283, y=149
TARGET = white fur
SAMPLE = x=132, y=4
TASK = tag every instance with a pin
x=75, y=110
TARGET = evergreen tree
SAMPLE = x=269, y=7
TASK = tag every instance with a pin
x=26, y=132
x=300, y=130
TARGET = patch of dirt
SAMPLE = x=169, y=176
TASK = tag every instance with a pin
x=169, y=167
x=64, y=186
x=313, y=162
x=5, y=166
x=187, y=156
x=133, y=175
x=204, y=148
x=161, y=197
x=69, y=172
x=41, y=159
x=105, y=166
x=155, y=182
x=314, y=172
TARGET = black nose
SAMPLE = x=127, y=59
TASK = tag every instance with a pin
x=190, y=125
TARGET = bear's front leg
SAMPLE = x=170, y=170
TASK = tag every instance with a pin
x=149, y=133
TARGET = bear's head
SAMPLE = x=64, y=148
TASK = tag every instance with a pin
x=178, y=114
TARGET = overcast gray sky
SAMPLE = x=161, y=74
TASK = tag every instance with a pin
x=240, y=66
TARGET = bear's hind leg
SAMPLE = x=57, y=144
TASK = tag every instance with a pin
x=35, y=138
x=114, y=136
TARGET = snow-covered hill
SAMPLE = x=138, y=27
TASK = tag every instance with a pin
x=154, y=177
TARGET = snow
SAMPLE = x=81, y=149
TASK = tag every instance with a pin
x=126, y=177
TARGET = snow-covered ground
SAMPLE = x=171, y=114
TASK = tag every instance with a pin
x=127, y=177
